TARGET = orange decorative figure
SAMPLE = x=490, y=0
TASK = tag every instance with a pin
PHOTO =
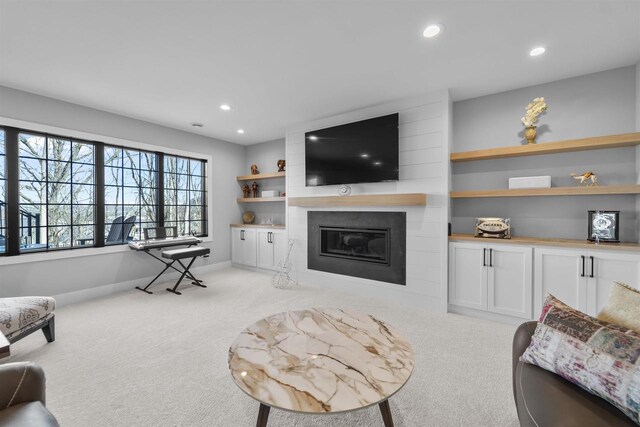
x=585, y=178
x=254, y=188
x=254, y=170
x=246, y=191
x=281, y=165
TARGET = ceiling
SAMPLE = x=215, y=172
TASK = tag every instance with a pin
x=283, y=63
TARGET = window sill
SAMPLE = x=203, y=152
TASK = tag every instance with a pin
x=72, y=253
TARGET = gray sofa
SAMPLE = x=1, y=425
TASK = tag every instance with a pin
x=545, y=399
x=22, y=396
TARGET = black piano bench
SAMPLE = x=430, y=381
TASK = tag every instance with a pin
x=176, y=255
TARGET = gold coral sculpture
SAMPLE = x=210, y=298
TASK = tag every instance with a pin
x=534, y=109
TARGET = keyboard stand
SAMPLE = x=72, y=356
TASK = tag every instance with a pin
x=185, y=269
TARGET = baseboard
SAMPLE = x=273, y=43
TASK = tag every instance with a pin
x=254, y=269
x=110, y=289
x=500, y=318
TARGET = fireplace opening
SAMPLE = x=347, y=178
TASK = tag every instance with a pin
x=358, y=244
x=369, y=245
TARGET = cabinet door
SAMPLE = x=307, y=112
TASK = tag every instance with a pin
x=510, y=280
x=560, y=272
x=237, y=254
x=249, y=247
x=467, y=275
x=280, y=247
x=608, y=267
x=265, y=249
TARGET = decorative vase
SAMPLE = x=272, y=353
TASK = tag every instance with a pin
x=530, y=134
x=248, y=217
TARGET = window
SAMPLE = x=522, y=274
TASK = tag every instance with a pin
x=184, y=195
x=60, y=193
x=56, y=192
x=3, y=198
x=130, y=195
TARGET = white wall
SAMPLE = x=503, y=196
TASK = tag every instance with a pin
x=266, y=155
x=53, y=277
x=638, y=147
x=424, y=168
x=638, y=96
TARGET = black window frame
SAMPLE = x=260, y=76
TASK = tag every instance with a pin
x=12, y=190
x=204, y=224
x=49, y=204
x=157, y=184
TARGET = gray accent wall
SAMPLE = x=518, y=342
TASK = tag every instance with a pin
x=597, y=104
x=60, y=276
x=266, y=156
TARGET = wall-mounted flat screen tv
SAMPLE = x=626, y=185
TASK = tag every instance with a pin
x=364, y=151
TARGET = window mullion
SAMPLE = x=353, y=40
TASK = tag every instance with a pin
x=160, y=185
x=99, y=194
x=13, y=191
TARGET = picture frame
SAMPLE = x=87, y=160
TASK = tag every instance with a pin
x=603, y=226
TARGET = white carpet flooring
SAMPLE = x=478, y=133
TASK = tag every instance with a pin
x=134, y=359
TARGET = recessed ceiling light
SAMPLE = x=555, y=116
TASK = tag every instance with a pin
x=240, y=130
x=365, y=155
x=197, y=125
x=432, y=31
x=225, y=107
x=537, y=51
x=313, y=138
x=377, y=163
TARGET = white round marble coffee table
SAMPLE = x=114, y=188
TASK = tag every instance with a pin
x=321, y=360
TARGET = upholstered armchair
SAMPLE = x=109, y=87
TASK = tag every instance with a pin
x=21, y=316
x=22, y=396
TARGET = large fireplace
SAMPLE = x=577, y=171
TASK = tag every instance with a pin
x=371, y=245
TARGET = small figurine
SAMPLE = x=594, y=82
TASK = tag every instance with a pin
x=281, y=164
x=246, y=191
x=254, y=188
x=254, y=170
x=585, y=178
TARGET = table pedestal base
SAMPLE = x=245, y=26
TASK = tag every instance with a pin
x=263, y=414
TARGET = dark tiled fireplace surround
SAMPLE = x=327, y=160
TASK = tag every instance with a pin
x=371, y=245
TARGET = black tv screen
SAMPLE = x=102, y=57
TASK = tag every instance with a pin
x=364, y=151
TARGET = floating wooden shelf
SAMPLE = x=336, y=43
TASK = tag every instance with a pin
x=408, y=199
x=260, y=199
x=537, y=241
x=553, y=191
x=260, y=176
x=596, y=143
x=277, y=227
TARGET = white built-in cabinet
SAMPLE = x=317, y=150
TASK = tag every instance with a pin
x=514, y=280
x=582, y=278
x=491, y=277
x=258, y=247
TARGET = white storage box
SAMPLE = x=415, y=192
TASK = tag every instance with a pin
x=271, y=193
x=530, y=182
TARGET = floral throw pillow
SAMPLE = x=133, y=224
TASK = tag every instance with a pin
x=600, y=357
x=623, y=307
